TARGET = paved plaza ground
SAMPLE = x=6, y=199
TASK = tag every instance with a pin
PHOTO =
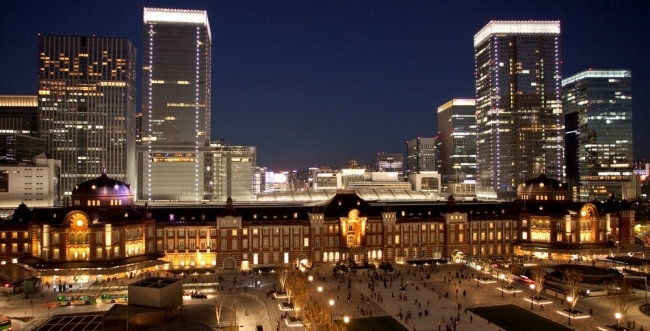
x=441, y=299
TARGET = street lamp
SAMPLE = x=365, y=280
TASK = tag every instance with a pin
x=320, y=290
x=502, y=276
x=331, y=305
x=310, y=278
x=478, y=276
x=569, y=300
x=346, y=319
x=532, y=296
x=618, y=319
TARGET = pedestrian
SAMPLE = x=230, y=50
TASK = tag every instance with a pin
x=470, y=319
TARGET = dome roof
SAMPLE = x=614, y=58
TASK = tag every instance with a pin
x=542, y=184
x=102, y=186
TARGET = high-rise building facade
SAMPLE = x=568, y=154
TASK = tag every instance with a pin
x=390, y=162
x=598, y=111
x=420, y=155
x=351, y=164
x=229, y=172
x=520, y=127
x=86, y=106
x=176, y=104
x=19, y=140
x=457, y=136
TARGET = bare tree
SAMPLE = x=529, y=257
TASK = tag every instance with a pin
x=539, y=277
x=509, y=276
x=572, y=279
x=283, y=276
x=619, y=298
x=219, y=303
x=236, y=307
x=487, y=267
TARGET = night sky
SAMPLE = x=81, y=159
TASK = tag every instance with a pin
x=317, y=82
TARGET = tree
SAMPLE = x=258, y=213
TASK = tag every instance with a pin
x=316, y=317
x=509, y=276
x=572, y=279
x=539, y=277
x=283, y=276
x=619, y=298
x=300, y=292
x=236, y=306
x=487, y=267
x=290, y=280
x=219, y=303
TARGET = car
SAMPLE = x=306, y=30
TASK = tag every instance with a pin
x=199, y=296
x=526, y=279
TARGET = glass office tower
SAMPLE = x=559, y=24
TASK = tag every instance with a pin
x=598, y=111
x=229, y=172
x=421, y=155
x=457, y=136
x=19, y=139
x=86, y=106
x=176, y=104
x=520, y=126
x=390, y=162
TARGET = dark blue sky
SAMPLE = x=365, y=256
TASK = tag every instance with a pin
x=317, y=82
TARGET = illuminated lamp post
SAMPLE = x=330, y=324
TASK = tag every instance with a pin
x=569, y=300
x=618, y=320
x=346, y=319
x=320, y=291
x=532, y=295
x=331, y=305
x=502, y=276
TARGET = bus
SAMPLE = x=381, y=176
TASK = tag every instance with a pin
x=113, y=298
x=5, y=323
x=74, y=299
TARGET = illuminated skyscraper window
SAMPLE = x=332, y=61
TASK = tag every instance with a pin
x=176, y=104
x=520, y=127
x=598, y=112
x=86, y=106
x=457, y=140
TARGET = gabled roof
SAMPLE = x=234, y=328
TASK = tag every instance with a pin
x=346, y=200
x=229, y=210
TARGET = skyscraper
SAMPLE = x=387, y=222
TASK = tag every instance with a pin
x=390, y=162
x=86, y=105
x=598, y=112
x=457, y=136
x=19, y=139
x=176, y=104
x=420, y=155
x=520, y=126
x=229, y=172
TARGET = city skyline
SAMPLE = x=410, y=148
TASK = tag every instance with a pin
x=290, y=77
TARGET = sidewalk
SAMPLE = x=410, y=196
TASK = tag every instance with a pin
x=441, y=309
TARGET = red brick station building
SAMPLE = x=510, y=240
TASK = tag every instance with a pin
x=104, y=234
